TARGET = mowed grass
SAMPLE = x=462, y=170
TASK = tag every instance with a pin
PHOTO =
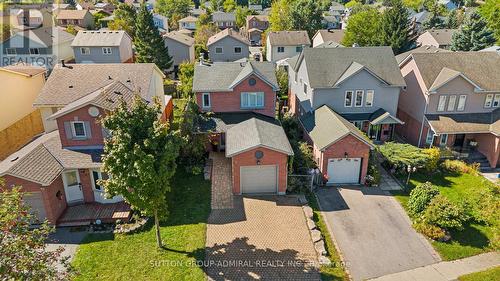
x=492, y=274
x=475, y=238
x=136, y=256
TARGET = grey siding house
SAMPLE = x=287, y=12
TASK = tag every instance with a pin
x=227, y=45
x=180, y=48
x=285, y=44
x=102, y=47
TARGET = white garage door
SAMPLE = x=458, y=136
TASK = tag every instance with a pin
x=35, y=202
x=343, y=170
x=258, y=179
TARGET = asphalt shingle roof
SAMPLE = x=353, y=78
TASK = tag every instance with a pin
x=71, y=14
x=335, y=35
x=466, y=123
x=289, y=38
x=222, y=16
x=421, y=49
x=47, y=36
x=180, y=37
x=442, y=36
x=225, y=33
x=99, y=38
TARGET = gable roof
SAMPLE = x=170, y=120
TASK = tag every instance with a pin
x=421, y=49
x=46, y=36
x=24, y=69
x=222, y=16
x=334, y=35
x=189, y=19
x=180, y=37
x=223, y=76
x=442, y=36
x=228, y=32
x=99, y=38
x=329, y=44
x=486, y=122
x=71, y=14
x=326, y=127
x=258, y=17
x=255, y=133
x=327, y=67
x=480, y=68
x=289, y=38
x=67, y=84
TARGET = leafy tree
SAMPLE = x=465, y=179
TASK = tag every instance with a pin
x=23, y=253
x=216, y=5
x=148, y=42
x=204, y=32
x=395, y=28
x=420, y=197
x=415, y=5
x=264, y=3
x=454, y=19
x=473, y=35
x=490, y=11
x=241, y=14
x=140, y=158
x=71, y=29
x=400, y=155
x=186, y=74
x=306, y=15
x=363, y=28
x=171, y=7
x=282, y=77
x=4, y=32
x=193, y=148
x=203, y=19
x=279, y=17
x=443, y=213
x=229, y=5
x=434, y=21
x=125, y=16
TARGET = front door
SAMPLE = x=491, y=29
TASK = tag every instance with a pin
x=99, y=193
x=374, y=132
x=459, y=141
x=72, y=187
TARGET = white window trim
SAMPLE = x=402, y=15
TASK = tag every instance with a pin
x=85, y=53
x=278, y=49
x=450, y=99
x=221, y=50
x=429, y=139
x=73, y=131
x=257, y=106
x=356, y=98
x=297, y=47
x=372, y=99
x=465, y=102
x=445, y=98
x=345, y=98
x=490, y=98
x=105, y=51
x=445, y=137
x=203, y=100
x=241, y=49
x=496, y=98
x=305, y=87
x=12, y=54
x=35, y=53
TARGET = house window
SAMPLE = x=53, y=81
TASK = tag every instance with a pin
x=430, y=137
x=218, y=50
x=11, y=51
x=348, y=99
x=34, y=51
x=358, y=124
x=252, y=100
x=237, y=50
x=496, y=100
x=281, y=49
x=298, y=49
x=451, y=103
x=369, y=98
x=205, y=100
x=461, y=102
x=305, y=88
x=488, y=101
x=106, y=51
x=443, y=140
x=359, y=98
x=442, y=103
x=85, y=51
x=78, y=129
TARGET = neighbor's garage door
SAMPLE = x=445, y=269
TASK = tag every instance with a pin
x=258, y=179
x=343, y=170
x=35, y=202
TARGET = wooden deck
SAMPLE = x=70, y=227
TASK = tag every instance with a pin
x=85, y=214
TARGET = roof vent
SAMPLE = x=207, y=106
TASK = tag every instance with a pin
x=70, y=86
x=110, y=100
x=109, y=77
x=128, y=80
x=117, y=93
x=14, y=159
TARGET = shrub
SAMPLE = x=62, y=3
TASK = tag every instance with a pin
x=374, y=176
x=420, y=197
x=433, y=155
x=459, y=166
x=400, y=155
x=297, y=184
x=303, y=159
x=443, y=213
x=429, y=230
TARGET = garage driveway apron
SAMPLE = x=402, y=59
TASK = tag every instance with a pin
x=373, y=232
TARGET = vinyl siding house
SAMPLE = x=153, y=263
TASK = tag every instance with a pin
x=285, y=44
x=102, y=46
x=255, y=26
x=453, y=100
x=224, y=20
x=161, y=22
x=81, y=18
x=328, y=35
x=60, y=169
x=227, y=46
x=188, y=23
x=243, y=131
x=180, y=48
x=339, y=95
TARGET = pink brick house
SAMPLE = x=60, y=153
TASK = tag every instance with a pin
x=239, y=102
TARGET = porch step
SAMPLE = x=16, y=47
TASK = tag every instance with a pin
x=73, y=223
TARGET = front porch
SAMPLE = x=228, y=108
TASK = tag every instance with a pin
x=85, y=214
x=379, y=126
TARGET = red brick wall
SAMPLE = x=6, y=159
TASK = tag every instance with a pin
x=86, y=182
x=231, y=101
x=81, y=114
x=292, y=102
x=54, y=206
x=271, y=157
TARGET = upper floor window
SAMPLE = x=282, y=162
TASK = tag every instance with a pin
x=252, y=100
x=305, y=88
x=237, y=50
x=348, y=99
x=496, y=100
x=281, y=49
x=85, y=51
x=219, y=50
x=298, y=49
x=295, y=76
x=441, y=103
x=205, y=100
x=461, y=102
x=359, y=98
x=451, y=103
x=430, y=137
x=369, y=98
x=106, y=51
x=78, y=129
x=34, y=51
x=11, y=51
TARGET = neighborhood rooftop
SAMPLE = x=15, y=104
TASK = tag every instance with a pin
x=289, y=38
x=26, y=70
x=99, y=38
x=442, y=36
x=225, y=33
x=47, y=36
x=180, y=37
x=71, y=14
x=421, y=49
x=335, y=35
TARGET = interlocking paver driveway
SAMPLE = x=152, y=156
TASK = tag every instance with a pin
x=261, y=238
x=373, y=232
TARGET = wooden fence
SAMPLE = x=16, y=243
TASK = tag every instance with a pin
x=20, y=133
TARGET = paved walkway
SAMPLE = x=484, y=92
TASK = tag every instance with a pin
x=446, y=271
x=222, y=187
x=387, y=182
x=68, y=239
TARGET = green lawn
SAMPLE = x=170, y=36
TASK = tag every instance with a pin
x=487, y=275
x=474, y=239
x=335, y=271
x=135, y=256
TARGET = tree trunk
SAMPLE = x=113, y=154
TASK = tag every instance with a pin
x=157, y=224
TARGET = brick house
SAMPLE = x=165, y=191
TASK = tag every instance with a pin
x=59, y=171
x=239, y=99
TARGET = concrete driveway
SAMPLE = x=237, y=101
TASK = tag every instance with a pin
x=373, y=232
x=68, y=239
x=260, y=238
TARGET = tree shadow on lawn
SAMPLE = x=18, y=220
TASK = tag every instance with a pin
x=470, y=236
x=438, y=179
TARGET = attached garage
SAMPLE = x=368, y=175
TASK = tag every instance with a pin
x=344, y=170
x=35, y=201
x=259, y=179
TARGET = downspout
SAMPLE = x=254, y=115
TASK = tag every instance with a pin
x=422, y=124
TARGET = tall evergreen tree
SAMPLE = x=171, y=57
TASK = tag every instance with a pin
x=452, y=21
x=433, y=22
x=148, y=42
x=473, y=35
x=395, y=28
x=306, y=15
